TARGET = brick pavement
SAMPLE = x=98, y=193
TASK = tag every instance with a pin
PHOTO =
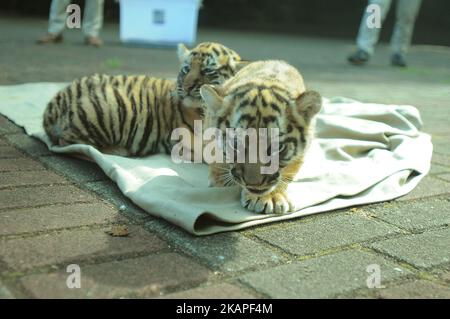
x=55, y=210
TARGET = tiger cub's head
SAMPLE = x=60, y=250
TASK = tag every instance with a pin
x=207, y=63
x=266, y=94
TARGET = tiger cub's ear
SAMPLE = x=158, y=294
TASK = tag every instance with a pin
x=212, y=97
x=309, y=104
x=183, y=52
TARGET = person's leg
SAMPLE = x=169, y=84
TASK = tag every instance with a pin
x=93, y=21
x=406, y=14
x=56, y=22
x=58, y=15
x=368, y=37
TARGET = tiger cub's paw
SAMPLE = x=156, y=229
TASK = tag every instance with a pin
x=273, y=203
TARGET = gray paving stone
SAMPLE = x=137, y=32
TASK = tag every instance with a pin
x=418, y=289
x=147, y=276
x=424, y=250
x=445, y=276
x=19, y=164
x=47, y=218
x=28, y=144
x=7, y=127
x=4, y=292
x=428, y=186
x=223, y=252
x=74, y=246
x=42, y=195
x=441, y=159
x=30, y=178
x=324, y=232
x=78, y=170
x=414, y=215
x=445, y=177
x=7, y=151
x=439, y=169
x=322, y=277
x=109, y=191
x=441, y=144
x=219, y=291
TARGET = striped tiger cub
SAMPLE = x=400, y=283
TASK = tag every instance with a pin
x=265, y=94
x=135, y=115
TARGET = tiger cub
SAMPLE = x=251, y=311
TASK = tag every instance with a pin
x=135, y=115
x=264, y=94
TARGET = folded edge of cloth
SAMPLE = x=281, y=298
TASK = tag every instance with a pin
x=363, y=153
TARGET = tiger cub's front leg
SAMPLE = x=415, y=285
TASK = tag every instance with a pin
x=277, y=201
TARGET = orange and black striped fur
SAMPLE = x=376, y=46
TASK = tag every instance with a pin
x=135, y=115
x=265, y=94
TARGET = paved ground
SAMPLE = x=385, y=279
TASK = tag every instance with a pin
x=54, y=210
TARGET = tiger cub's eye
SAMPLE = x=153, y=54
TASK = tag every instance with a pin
x=208, y=71
x=281, y=150
x=185, y=69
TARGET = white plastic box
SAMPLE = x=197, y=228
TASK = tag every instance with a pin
x=158, y=22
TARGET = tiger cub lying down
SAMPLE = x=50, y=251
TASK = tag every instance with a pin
x=135, y=115
x=265, y=94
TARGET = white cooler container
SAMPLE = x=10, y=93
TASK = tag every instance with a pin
x=158, y=22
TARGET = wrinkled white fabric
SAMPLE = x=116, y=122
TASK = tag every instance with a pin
x=363, y=153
